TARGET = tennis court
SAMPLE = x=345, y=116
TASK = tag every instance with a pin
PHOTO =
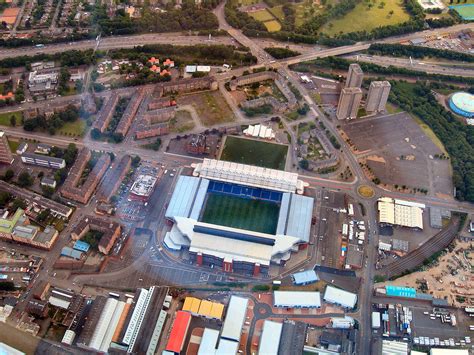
x=244, y=213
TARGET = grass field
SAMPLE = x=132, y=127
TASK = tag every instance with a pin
x=13, y=145
x=232, y=211
x=211, y=107
x=75, y=129
x=466, y=11
x=277, y=11
x=272, y=26
x=182, y=122
x=5, y=118
x=362, y=18
x=253, y=152
x=262, y=15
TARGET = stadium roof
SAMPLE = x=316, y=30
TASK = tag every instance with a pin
x=249, y=175
x=235, y=318
x=297, y=299
x=340, y=297
x=295, y=216
x=8, y=350
x=184, y=197
x=439, y=351
x=208, y=342
x=270, y=338
x=178, y=332
x=305, y=277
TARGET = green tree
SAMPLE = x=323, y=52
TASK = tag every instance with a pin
x=25, y=179
x=9, y=174
x=304, y=164
x=12, y=121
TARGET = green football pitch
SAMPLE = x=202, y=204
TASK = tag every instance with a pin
x=254, y=152
x=236, y=212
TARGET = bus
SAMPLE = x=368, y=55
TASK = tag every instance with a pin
x=350, y=209
x=114, y=295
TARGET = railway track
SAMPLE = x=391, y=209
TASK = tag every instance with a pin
x=416, y=257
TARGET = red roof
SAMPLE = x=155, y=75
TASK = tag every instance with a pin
x=178, y=332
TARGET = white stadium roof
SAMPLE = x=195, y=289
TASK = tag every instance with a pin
x=297, y=299
x=249, y=175
x=341, y=297
x=234, y=319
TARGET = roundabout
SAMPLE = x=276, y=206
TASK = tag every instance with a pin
x=365, y=191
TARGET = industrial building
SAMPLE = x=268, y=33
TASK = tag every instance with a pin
x=270, y=338
x=143, y=187
x=209, y=346
x=340, y=297
x=393, y=347
x=43, y=160
x=399, y=212
x=355, y=76
x=178, y=332
x=235, y=318
x=6, y=156
x=236, y=249
x=305, y=277
x=203, y=308
x=296, y=299
x=377, y=96
x=349, y=101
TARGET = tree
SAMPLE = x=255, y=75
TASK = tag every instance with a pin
x=9, y=174
x=48, y=191
x=25, y=179
x=12, y=121
x=19, y=203
x=304, y=164
x=43, y=215
x=7, y=286
x=136, y=161
x=4, y=198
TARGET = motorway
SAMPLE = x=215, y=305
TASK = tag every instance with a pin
x=363, y=312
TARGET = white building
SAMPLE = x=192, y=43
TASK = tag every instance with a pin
x=259, y=131
x=296, y=299
x=400, y=212
x=270, y=338
x=340, y=297
x=392, y=347
x=235, y=318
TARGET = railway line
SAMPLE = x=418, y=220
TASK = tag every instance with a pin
x=416, y=257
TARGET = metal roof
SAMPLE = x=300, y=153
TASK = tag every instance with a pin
x=227, y=347
x=208, y=342
x=81, y=246
x=183, y=197
x=248, y=175
x=71, y=253
x=103, y=323
x=270, y=338
x=305, y=277
x=235, y=318
x=178, y=332
x=299, y=217
x=340, y=297
x=297, y=299
x=464, y=101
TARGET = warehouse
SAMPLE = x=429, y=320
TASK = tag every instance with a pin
x=203, y=308
x=235, y=318
x=270, y=338
x=296, y=299
x=305, y=277
x=340, y=297
x=106, y=325
x=401, y=213
x=178, y=332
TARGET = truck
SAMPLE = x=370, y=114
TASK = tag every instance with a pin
x=375, y=320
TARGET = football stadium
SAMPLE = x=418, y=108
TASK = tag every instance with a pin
x=238, y=217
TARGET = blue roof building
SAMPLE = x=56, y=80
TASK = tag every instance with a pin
x=71, y=253
x=81, y=246
x=305, y=277
x=400, y=291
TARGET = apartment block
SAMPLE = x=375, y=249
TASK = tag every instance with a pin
x=378, y=96
x=6, y=156
x=355, y=76
x=349, y=102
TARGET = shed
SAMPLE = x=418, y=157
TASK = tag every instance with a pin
x=297, y=299
x=305, y=277
x=340, y=297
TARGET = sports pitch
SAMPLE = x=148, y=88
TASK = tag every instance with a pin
x=253, y=152
x=231, y=211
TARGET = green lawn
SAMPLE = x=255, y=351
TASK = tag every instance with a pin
x=13, y=145
x=262, y=15
x=254, y=152
x=236, y=212
x=75, y=129
x=362, y=18
x=5, y=118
